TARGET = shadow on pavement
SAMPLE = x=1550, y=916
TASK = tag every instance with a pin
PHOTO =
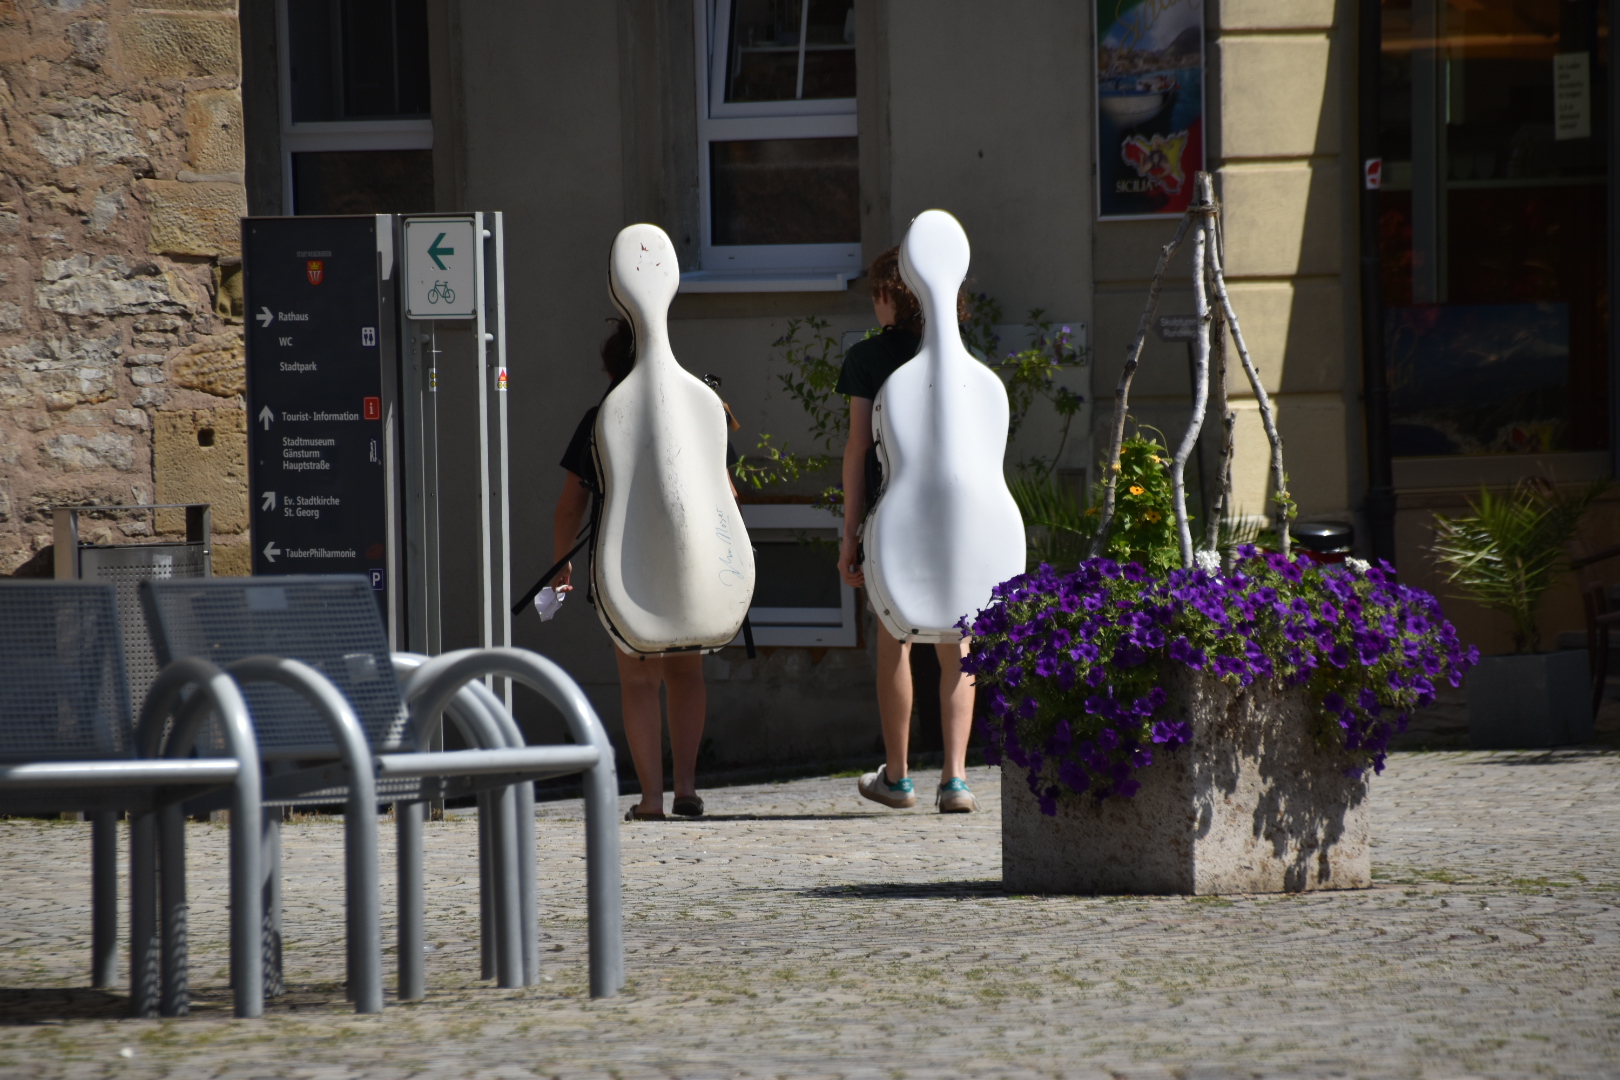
x=908, y=890
x=43, y=1005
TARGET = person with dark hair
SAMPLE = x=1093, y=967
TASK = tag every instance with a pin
x=680, y=674
x=867, y=365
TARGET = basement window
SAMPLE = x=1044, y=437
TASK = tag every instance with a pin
x=799, y=599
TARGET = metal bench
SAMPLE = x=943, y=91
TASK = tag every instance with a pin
x=67, y=744
x=333, y=726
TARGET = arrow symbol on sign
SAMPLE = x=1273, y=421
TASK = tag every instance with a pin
x=265, y=416
x=269, y=501
x=434, y=251
x=265, y=317
x=271, y=551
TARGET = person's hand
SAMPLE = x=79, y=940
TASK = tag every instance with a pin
x=560, y=583
x=848, y=568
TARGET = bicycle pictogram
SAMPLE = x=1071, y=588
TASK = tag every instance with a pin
x=441, y=291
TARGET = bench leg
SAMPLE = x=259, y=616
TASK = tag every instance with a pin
x=275, y=983
x=144, y=973
x=103, y=899
x=412, y=933
x=173, y=914
x=528, y=885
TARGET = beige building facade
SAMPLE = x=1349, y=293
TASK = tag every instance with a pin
x=138, y=135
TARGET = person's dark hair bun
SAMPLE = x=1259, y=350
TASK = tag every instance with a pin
x=619, y=349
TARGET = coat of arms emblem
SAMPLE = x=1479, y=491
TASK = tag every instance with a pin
x=316, y=269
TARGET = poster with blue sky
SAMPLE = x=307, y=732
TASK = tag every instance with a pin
x=1150, y=106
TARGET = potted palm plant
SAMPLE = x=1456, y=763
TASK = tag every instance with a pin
x=1504, y=555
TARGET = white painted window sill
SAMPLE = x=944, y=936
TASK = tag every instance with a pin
x=759, y=281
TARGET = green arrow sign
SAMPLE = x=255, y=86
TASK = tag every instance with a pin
x=434, y=251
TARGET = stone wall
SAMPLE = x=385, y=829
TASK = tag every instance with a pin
x=121, y=371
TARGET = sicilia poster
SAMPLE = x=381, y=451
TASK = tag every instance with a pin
x=1150, y=106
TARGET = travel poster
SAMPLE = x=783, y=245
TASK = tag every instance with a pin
x=1150, y=106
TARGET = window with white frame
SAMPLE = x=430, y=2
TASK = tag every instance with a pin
x=779, y=172
x=356, y=132
x=799, y=599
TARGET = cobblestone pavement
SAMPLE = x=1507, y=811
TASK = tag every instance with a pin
x=795, y=933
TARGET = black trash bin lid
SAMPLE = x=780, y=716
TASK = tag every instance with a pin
x=1325, y=537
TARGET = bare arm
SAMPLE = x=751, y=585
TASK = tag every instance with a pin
x=860, y=440
x=572, y=505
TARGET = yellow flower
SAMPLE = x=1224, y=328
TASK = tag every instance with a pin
x=1137, y=489
x=1153, y=515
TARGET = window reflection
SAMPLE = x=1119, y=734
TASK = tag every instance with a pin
x=363, y=182
x=787, y=50
x=785, y=191
x=1494, y=224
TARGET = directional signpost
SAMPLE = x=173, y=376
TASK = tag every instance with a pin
x=320, y=365
x=453, y=269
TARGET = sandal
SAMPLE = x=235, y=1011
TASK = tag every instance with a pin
x=635, y=814
x=688, y=806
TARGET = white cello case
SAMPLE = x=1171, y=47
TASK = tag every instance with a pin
x=945, y=530
x=672, y=568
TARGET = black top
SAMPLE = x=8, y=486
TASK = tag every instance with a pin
x=869, y=363
x=577, y=458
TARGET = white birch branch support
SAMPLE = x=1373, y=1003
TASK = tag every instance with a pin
x=1267, y=416
x=1195, y=424
x=1220, y=505
x=1122, y=392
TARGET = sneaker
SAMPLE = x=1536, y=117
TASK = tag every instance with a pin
x=955, y=797
x=876, y=786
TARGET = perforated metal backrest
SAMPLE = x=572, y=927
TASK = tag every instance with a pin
x=330, y=622
x=125, y=567
x=63, y=695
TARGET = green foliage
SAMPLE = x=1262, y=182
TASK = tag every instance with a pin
x=1510, y=549
x=1030, y=373
x=814, y=358
x=1055, y=519
x=1144, y=529
x=1060, y=524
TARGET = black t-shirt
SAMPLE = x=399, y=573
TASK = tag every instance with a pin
x=577, y=458
x=869, y=363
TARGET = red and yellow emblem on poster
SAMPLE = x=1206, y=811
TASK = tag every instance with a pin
x=1150, y=105
x=316, y=270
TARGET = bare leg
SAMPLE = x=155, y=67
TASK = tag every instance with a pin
x=894, y=702
x=955, y=707
x=643, y=725
x=688, y=705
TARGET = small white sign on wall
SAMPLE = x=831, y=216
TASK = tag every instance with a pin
x=1572, y=96
x=441, y=268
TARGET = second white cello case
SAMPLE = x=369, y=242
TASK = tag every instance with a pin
x=672, y=569
x=945, y=530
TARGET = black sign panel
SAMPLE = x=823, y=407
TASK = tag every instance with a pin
x=314, y=398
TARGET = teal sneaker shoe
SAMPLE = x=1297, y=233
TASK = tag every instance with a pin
x=955, y=797
x=876, y=786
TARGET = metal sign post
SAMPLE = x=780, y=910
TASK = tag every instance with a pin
x=454, y=269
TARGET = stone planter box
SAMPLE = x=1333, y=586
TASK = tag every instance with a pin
x=1249, y=805
x=1522, y=702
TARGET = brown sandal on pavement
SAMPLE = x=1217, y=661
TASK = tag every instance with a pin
x=688, y=806
x=635, y=814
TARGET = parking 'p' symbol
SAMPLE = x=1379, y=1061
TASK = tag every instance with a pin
x=377, y=579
